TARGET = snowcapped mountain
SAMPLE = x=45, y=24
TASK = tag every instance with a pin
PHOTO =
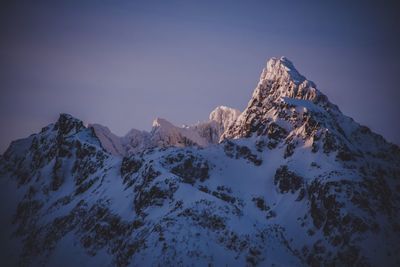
x=165, y=134
x=290, y=181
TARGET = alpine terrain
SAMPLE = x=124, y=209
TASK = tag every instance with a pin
x=290, y=181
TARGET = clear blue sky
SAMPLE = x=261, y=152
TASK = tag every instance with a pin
x=123, y=63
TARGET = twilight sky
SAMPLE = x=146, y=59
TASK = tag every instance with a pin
x=123, y=63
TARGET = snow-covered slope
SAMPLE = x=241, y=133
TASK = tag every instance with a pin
x=293, y=182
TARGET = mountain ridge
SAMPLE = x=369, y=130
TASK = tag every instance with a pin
x=291, y=181
x=164, y=133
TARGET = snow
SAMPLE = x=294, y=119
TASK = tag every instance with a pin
x=225, y=116
x=281, y=68
x=164, y=133
x=209, y=227
x=304, y=105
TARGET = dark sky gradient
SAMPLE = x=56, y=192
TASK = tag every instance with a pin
x=123, y=63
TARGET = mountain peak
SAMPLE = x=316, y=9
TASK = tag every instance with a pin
x=281, y=79
x=222, y=113
x=67, y=122
x=281, y=68
x=66, y=116
x=280, y=84
x=224, y=117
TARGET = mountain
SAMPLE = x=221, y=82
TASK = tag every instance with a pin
x=224, y=117
x=165, y=134
x=290, y=181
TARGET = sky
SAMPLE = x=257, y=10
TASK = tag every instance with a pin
x=124, y=63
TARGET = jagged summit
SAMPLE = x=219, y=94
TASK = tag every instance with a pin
x=279, y=68
x=67, y=122
x=279, y=87
x=280, y=79
x=66, y=116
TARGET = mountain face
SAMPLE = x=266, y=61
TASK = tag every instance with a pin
x=290, y=181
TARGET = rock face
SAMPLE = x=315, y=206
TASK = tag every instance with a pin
x=291, y=181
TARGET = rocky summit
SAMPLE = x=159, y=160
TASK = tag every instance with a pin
x=290, y=181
